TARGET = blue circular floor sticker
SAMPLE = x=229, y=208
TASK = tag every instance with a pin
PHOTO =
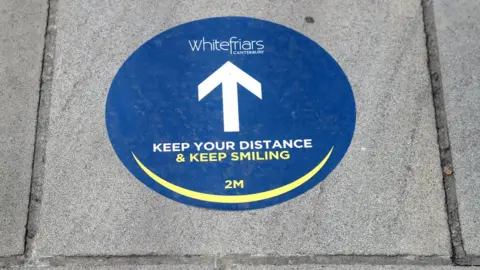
x=230, y=113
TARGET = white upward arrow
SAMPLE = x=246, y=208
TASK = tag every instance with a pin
x=229, y=75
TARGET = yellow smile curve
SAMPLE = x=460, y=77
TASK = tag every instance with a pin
x=247, y=198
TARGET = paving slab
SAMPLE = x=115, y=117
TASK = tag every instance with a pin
x=458, y=33
x=22, y=30
x=267, y=267
x=345, y=267
x=139, y=267
x=386, y=197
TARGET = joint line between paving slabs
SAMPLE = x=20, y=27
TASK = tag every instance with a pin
x=226, y=261
x=43, y=111
x=458, y=252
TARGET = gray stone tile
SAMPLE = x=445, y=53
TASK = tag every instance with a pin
x=458, y=32
x=386, y=197
x=262, y=267
x=22, y=30
x=139, y=267
x=346, y=267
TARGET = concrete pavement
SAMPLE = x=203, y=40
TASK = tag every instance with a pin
x=458, y=30
x=384, y=205
x=384, y=199
x=22, y=31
